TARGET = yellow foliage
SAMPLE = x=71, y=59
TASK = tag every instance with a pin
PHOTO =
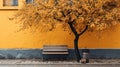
x=97, y=14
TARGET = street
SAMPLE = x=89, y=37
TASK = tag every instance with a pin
x=60, y=65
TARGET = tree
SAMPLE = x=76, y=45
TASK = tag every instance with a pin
x=76, y=16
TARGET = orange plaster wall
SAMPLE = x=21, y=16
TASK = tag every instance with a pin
x=10, y=38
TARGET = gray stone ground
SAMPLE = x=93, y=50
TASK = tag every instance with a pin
x=38, y=61
x=71, y=63
x=63, y=65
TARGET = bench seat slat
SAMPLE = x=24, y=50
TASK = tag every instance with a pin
x=55, y=49
x=55, y=46
x=55, y=53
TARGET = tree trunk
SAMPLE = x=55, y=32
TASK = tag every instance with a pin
x=77, y=35
x=78, y=57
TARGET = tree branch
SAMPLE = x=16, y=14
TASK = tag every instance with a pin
x=63, y=14
x=58, y=19
x=83, y=30
x=71, y=27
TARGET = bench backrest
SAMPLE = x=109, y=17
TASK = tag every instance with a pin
x=55, y=49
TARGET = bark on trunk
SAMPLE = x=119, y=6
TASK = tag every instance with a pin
x=78, y=57
x=70, y=23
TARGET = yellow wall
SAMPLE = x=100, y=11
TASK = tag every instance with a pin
x=10, y=38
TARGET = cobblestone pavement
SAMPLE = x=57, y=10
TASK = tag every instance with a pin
x=71, y=63
x=38, y=61
x=61, y=65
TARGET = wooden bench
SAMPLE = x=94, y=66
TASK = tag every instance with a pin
x=55, y=49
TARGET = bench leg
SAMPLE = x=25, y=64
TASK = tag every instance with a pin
x=42, y=57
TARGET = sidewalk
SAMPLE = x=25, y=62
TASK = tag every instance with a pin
x=38, y=61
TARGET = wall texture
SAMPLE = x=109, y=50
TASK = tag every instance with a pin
x=37, y=54
x=11, y=38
